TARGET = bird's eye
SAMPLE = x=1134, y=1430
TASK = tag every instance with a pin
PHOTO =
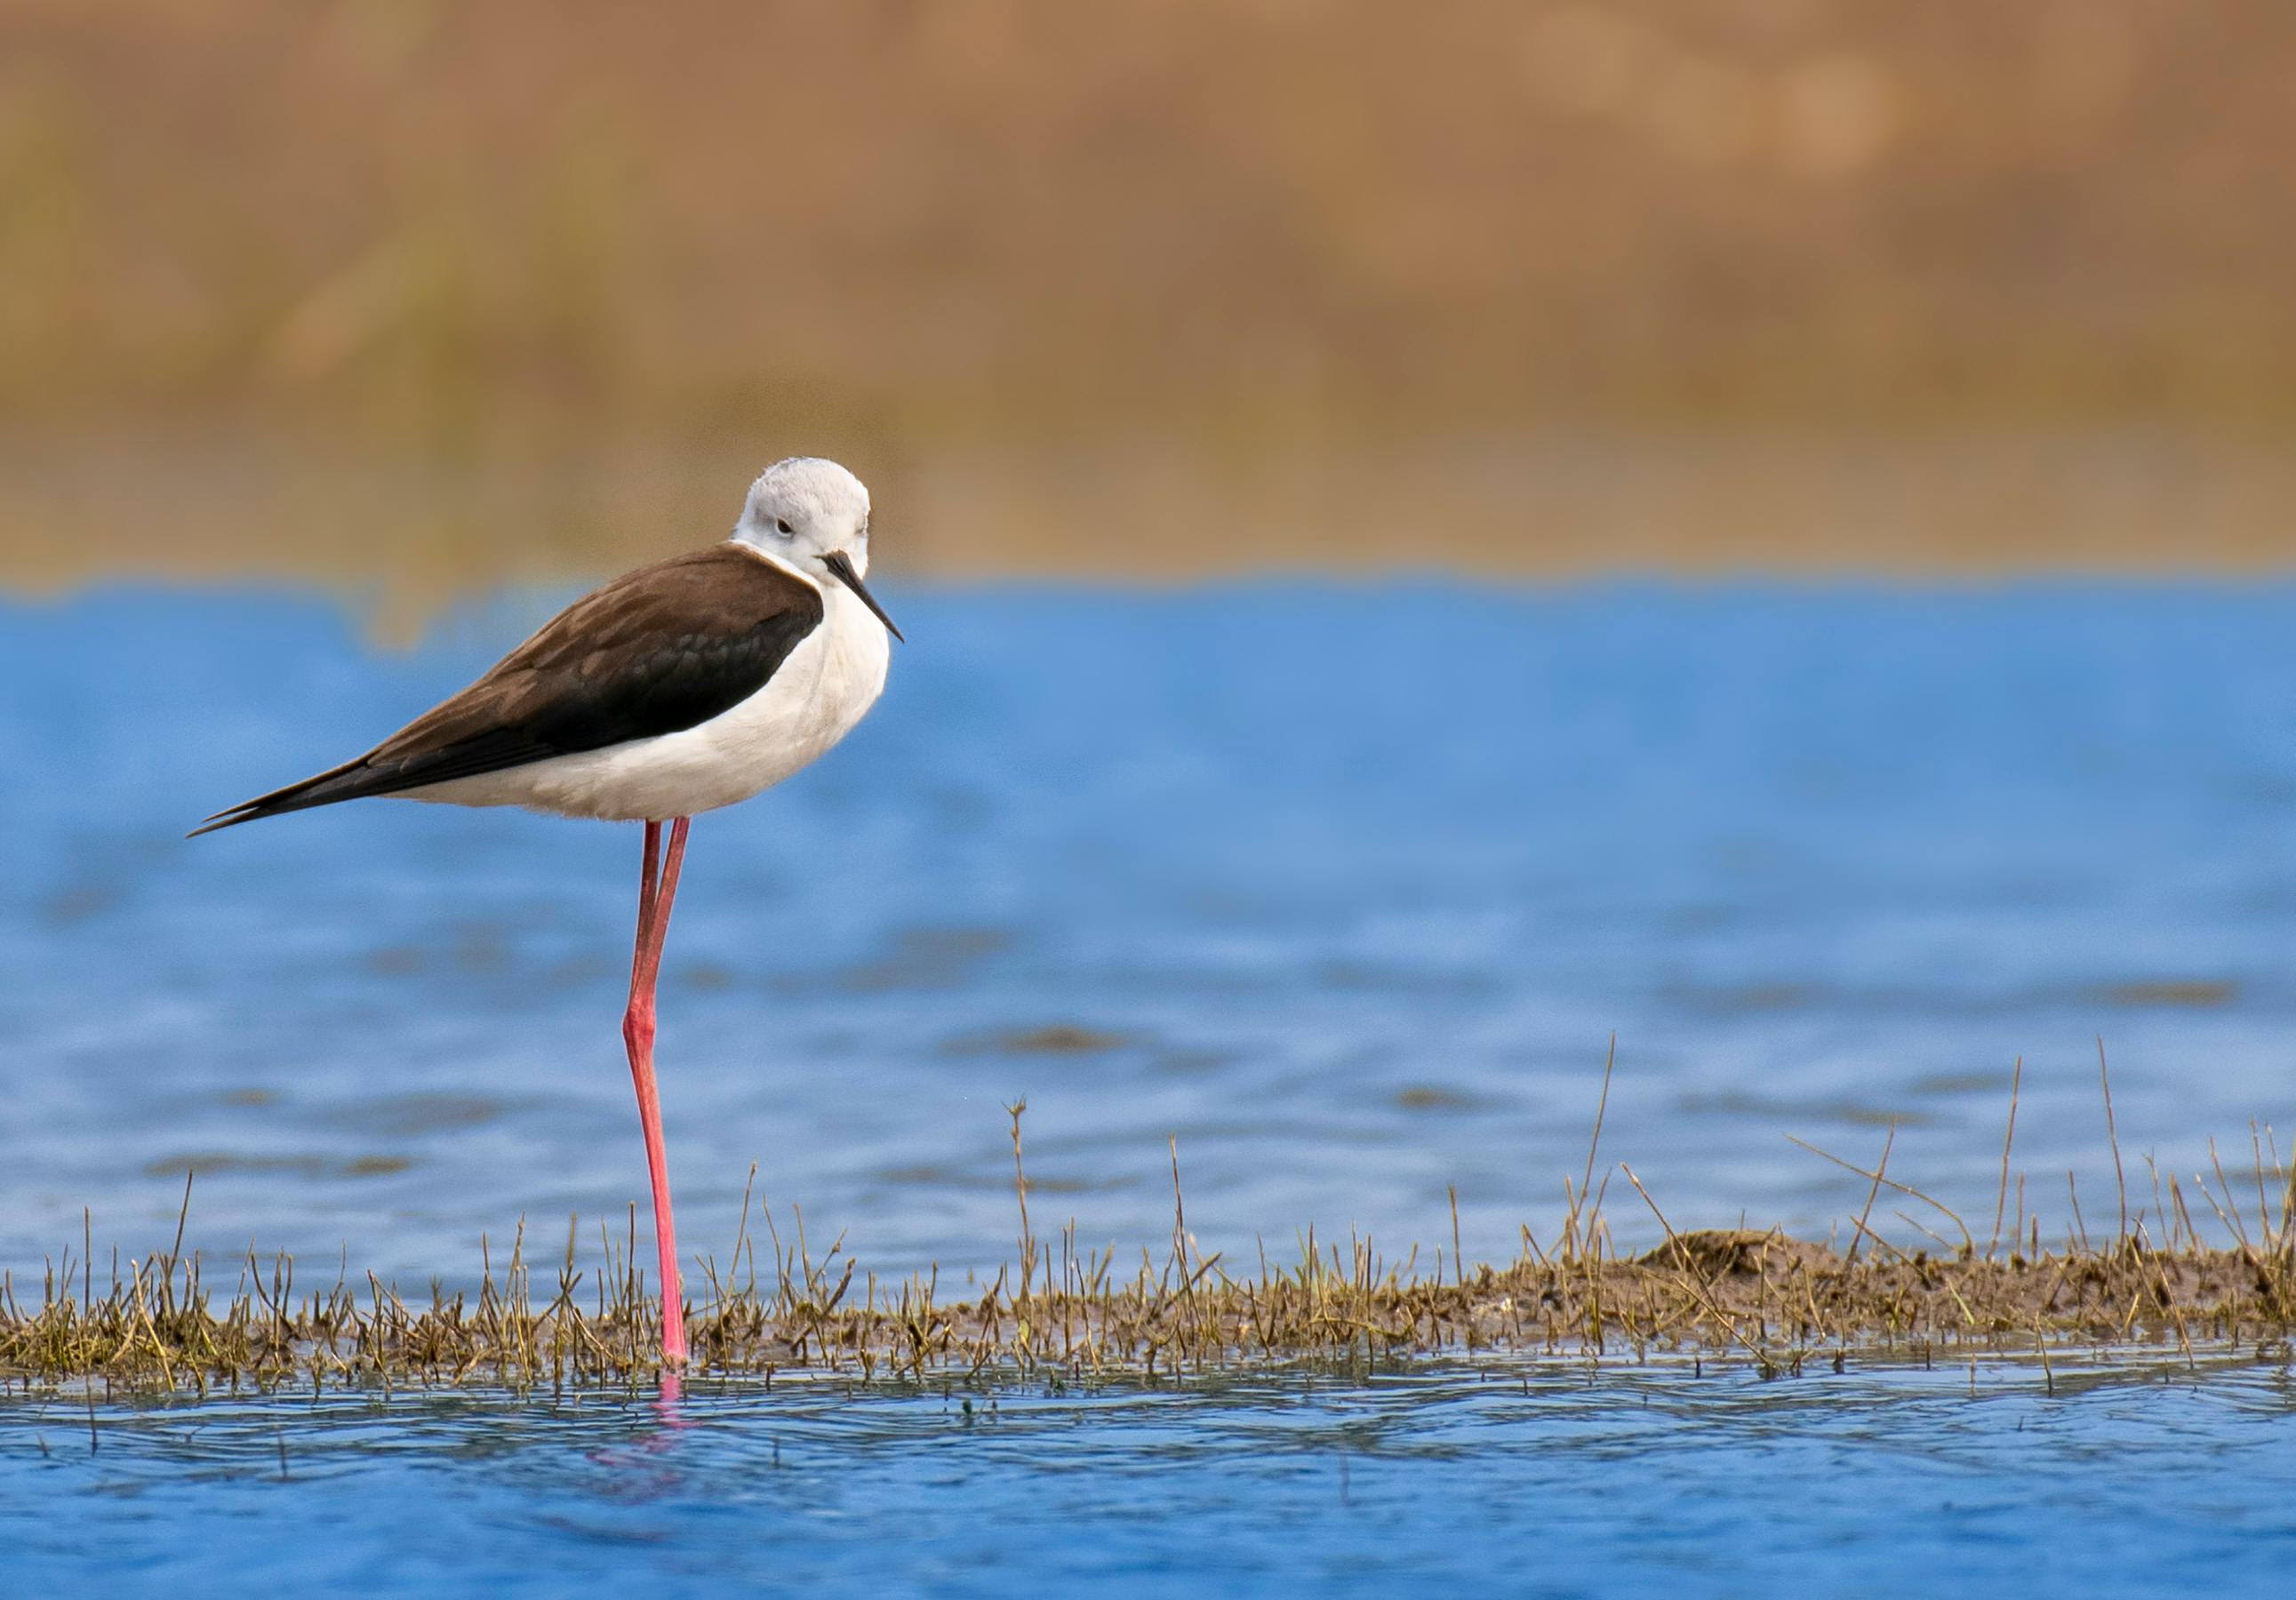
x=782, y=523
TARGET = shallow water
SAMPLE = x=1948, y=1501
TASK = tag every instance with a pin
x=1534, y=1480
x=1344, y=889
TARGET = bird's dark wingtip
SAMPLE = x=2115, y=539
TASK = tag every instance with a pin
x=295, y=797
x=254, y=810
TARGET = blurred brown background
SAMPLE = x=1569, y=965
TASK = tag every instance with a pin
x=424, y=296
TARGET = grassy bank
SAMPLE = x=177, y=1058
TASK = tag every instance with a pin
x=2152, y=1277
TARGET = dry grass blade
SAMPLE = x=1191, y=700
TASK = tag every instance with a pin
x=1859, y=1231
x=2113, y=1134
x=1968, y=1243
x=1572, y=1244
x=2001, y=1201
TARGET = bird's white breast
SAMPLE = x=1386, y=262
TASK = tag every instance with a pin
x=822, y=689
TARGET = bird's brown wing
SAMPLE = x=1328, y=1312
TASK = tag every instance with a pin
x=655, y=652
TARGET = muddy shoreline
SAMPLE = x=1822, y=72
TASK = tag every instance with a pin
x=1763, y=1300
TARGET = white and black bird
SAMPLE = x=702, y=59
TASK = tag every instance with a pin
x=686, y=686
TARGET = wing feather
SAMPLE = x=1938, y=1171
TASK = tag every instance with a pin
x=656, y=652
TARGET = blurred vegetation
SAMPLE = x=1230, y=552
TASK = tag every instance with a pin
x=1169, y=249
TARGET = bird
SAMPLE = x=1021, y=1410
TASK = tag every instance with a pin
x=689, y=684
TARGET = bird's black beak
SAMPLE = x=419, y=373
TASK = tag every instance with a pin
x=842, y=566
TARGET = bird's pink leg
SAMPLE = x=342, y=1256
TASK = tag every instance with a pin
x=656, y=896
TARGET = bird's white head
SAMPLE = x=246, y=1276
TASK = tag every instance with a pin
x=812, y=516
x=804, y=508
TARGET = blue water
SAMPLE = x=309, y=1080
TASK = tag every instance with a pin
x=1535, y=1481
x=1344, y=890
